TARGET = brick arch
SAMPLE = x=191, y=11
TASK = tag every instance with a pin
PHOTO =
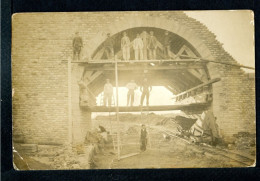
x=147, y=21
x=205, y=44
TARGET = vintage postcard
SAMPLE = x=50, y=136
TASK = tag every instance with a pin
x=133, y=89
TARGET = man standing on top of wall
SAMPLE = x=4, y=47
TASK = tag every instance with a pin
x=145, y=89
x=152, y=46
x=138, y=47
x=109, y=47
x=131, y=91
x=77, y=44
x=125, y=46
x=166, y=45
x=108, y=93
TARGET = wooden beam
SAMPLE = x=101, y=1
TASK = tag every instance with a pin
x=142, y=67
x=112, y=61
x=199, y=86
x=93, y=77
x=214, y=61
x=197, y=106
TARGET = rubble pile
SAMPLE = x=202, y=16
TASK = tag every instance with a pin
x=65, y=157
x=179, y=124
x=244, y=140
x=132, y=130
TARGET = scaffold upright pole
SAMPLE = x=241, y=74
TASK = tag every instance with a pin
x=117, y=110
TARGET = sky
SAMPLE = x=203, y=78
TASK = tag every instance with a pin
x=235, y=29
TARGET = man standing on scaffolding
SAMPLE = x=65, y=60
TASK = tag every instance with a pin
x=125, y=46
x=109, y=47
x=145, y=89
x=145, y=38
x=77, y=44
x=166, y=45
x=108, y=93
x=152, y=46
x=138, y=47
x=131, y=91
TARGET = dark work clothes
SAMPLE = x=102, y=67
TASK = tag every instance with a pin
x=143, y=139
x=152, y=42
x=109, y=42
x=145, y=88
x=166, y=40
x=109, y=47
x=77, y=43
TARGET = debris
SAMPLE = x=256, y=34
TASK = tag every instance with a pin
x=132, y=130
x=244, y=140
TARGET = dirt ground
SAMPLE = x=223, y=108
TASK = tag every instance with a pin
x=160, y=153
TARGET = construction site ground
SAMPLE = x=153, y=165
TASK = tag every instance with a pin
x=164, y=149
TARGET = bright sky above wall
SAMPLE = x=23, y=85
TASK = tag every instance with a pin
x=235, y=29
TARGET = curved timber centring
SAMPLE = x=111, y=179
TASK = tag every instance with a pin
x=128, y=22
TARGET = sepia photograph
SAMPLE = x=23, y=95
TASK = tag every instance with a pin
x=133, y=90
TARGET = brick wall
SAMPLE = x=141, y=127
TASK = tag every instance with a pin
x=42, y=41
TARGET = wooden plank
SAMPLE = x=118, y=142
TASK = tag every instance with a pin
x=145, y=108
x=214, y=61
x=93, y=77
x=141, y=67
x=112, y=61
x=199, y=86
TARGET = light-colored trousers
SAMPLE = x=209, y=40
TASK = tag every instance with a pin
x=126, y=53
x=139, y=54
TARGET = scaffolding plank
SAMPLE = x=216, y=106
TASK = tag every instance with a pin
x=147, y=108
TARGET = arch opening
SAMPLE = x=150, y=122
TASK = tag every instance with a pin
x=174, y=80
x=177, y=42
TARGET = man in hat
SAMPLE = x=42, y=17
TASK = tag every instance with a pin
x=108, y=93
x=138, y=47
x=166, y=45
x=77, y=44
x=145, y=89
x=152, y=46
x=109, y=47
x=125, y=46
x=131, y=91
x=143, y=138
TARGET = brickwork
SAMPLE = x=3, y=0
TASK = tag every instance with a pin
x=42, y=41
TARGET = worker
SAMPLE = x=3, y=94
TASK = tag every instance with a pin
x=125, y=46
x=109, y=47
x=108, y=93
x=145, y=89
x=77, y=44
x=131, y=91
x=166, y=45
x=143, y=138
x=138, y=47
x=145, y=39
x=152, y=46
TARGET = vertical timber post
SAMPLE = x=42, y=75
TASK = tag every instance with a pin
x=69, y=103
x=117, y=110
